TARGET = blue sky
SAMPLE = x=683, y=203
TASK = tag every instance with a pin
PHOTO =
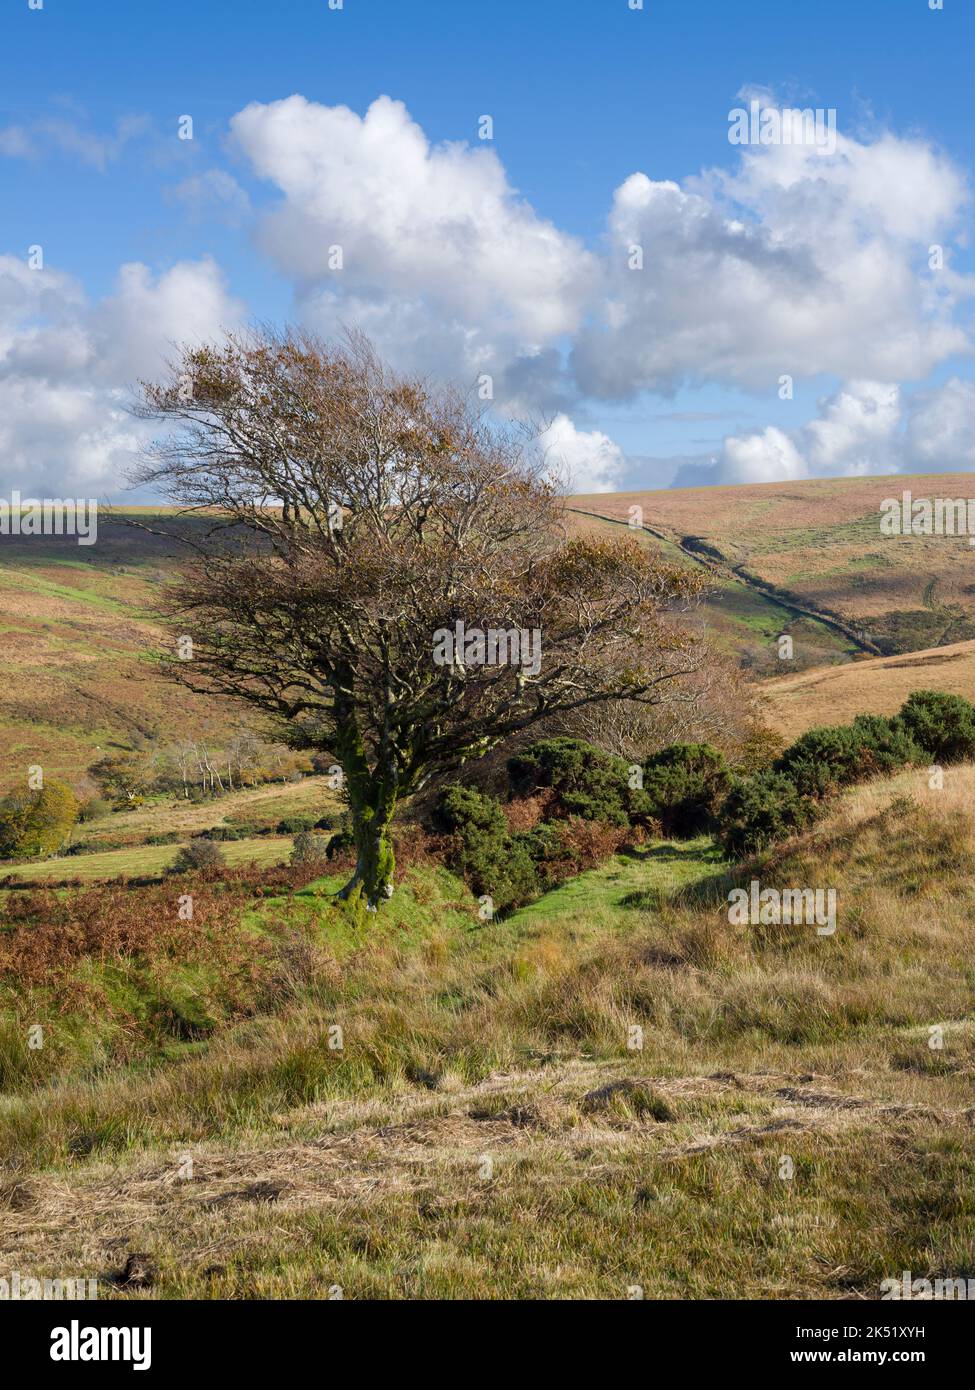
x=831, y=285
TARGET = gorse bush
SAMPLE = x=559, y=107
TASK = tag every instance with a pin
x=198, y=854
x=685, y=786
x=341, y=844
x=37, y=823
x=548, y=850
x=773, y=805
x=566, y=785
x=310, y=848
x=760, y=810
x=825, y=760
x=482, y=849
x=887, y=745
x=586, y=781
x=943, y=725
x=821, y=761
x=294, y=825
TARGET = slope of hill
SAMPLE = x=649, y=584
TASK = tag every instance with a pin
x=816, y=545
x=740, y=619
x=805, y=558
x=487, y=1127
x=834, y=695
x=77, y=628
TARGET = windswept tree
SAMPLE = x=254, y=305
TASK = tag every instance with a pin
x=389, y=573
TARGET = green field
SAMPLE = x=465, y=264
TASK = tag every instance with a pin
x=145, y=860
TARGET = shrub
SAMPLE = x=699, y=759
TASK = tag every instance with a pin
x=295, y=825
x=37, y=823
x=243, y=829
x=824, y=760
x=943, y=725
x=198, y=854
x=587, y=782
x=685, y=785
x=761, y=809
x=549, y=851
x=342, y=842
x=93, y=847
x=481, y=848
x=309, y=848
x=461, y=810
x=887, y=745
x=94, y=808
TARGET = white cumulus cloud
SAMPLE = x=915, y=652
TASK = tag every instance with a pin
x=585, y=460
x=67, y=367
x=798, y=262
x=433, y=238
x=867, y=427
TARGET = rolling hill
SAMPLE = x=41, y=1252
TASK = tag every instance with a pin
x=834, y=695
x=815, y=551
x=806, y=558
x=78, y=633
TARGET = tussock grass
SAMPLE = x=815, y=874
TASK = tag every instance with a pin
x=493, y=1127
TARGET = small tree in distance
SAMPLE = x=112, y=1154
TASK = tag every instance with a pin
x=354, y=515
x=37, y=823
x=200, y=853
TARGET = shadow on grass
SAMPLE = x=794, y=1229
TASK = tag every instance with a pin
x=675, y=854
x=703, y=889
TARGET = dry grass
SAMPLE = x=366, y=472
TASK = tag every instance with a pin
x=519, y=1188
x=486, y=1131
x=878, y=685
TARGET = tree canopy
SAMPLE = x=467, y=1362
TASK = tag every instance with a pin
x=35, y=823
x=356, y=516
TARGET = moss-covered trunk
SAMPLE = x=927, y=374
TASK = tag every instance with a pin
x=375, y=861
x=372, y=796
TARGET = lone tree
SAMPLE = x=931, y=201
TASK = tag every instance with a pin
x=354, y=518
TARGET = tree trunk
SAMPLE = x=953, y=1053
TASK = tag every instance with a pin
x=372, y=793
x=372, y=810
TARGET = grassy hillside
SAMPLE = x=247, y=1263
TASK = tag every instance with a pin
x=817, y=543
x=834, y=695
x=78, y=622
x=77, y=628
x=484, y=1129
x=740, y=620
x=140, y=861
